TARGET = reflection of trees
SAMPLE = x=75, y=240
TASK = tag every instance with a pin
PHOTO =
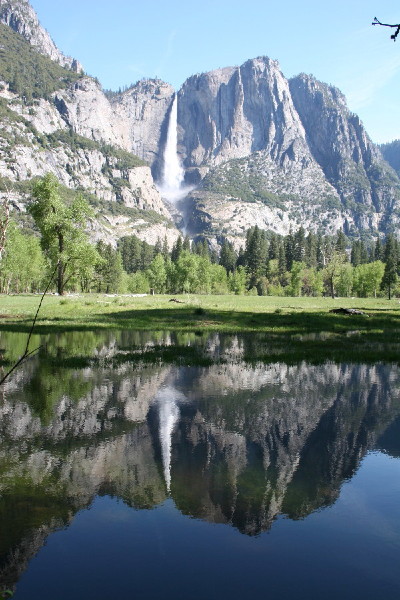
x=251, y=442
x=29, y=511
x=48, y=385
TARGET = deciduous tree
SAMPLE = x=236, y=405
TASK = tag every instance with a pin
x=62, y=227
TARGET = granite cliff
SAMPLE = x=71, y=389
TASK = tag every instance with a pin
x=256, y=147
x=280, y=153
x=55, y=118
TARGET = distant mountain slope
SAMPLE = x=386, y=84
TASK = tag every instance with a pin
x=391, y=153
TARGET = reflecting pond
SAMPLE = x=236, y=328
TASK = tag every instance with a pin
x=141, y=465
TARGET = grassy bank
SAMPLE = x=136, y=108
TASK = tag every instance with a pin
x=205, y=313
x=297, y=328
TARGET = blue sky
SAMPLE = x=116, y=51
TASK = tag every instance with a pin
x=123, y=41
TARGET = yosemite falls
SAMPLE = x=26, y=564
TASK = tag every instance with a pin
x=172, y=184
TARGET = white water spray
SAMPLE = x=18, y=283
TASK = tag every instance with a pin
x=173, y=174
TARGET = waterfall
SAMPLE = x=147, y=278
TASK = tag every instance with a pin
x=168, y=415
x=171, y=186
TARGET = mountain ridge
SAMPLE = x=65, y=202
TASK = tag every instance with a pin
x=258, y=147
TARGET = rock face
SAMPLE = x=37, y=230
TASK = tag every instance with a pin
x=21, y=17
x=233, y=112
x=143, y=111
x=120, y=187
x=259, y=138
x=134, y=120
x=340, y=144
x=259, y=149
x=86, y=139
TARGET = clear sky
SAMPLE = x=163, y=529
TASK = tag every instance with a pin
x=121, y=41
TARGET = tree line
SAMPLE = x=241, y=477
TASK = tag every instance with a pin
x=269, y=264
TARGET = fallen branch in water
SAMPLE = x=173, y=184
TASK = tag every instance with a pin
x=27, y=353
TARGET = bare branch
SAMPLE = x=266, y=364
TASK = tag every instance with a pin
x=395, y=34
x=27, y=353
x=19, y=361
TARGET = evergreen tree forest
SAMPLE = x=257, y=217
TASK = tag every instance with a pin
x=298, y=264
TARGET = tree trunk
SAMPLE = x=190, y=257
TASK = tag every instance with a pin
x=60, y=269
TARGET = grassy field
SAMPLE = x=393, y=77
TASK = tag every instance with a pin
x=207, y=313
x=297, y=328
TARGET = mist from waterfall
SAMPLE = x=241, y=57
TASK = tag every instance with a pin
x=172, y=184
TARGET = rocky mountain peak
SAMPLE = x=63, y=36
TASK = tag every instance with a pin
x=231, y=113
x=258, y=147
x=153, y=87
x=340, y=144
x=21, y=17
x=328, y=94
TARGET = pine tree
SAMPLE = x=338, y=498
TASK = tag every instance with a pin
x=228, y=257
x=131, y=253
x=201, y=248
x=311, y=251
x=289, y=250
x=109, y=271
x=176, y=250
x=256, y=254
x=165, y=249
x=355, y=257
x=273, y=249
x=281, y=261
x=146, y=256
x=241, y=259
x=341, y=242
x=364, y=256
x=320, y=253
x=299, y=247
x=158, y=247
x=378, y=250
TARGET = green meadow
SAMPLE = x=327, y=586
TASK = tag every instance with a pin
x=294, y=328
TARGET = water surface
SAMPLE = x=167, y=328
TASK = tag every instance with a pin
x=190, y=478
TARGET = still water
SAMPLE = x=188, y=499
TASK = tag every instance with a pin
x=193, y=473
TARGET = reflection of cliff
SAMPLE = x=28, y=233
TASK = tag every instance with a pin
x=53, y=463
x=43, y=491
x=232, y=443
x=283, y=447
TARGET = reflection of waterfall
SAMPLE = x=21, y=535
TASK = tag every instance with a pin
x=168, y=416
x=172, y=187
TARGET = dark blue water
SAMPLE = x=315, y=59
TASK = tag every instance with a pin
x=351, y=550
x=127, y=480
